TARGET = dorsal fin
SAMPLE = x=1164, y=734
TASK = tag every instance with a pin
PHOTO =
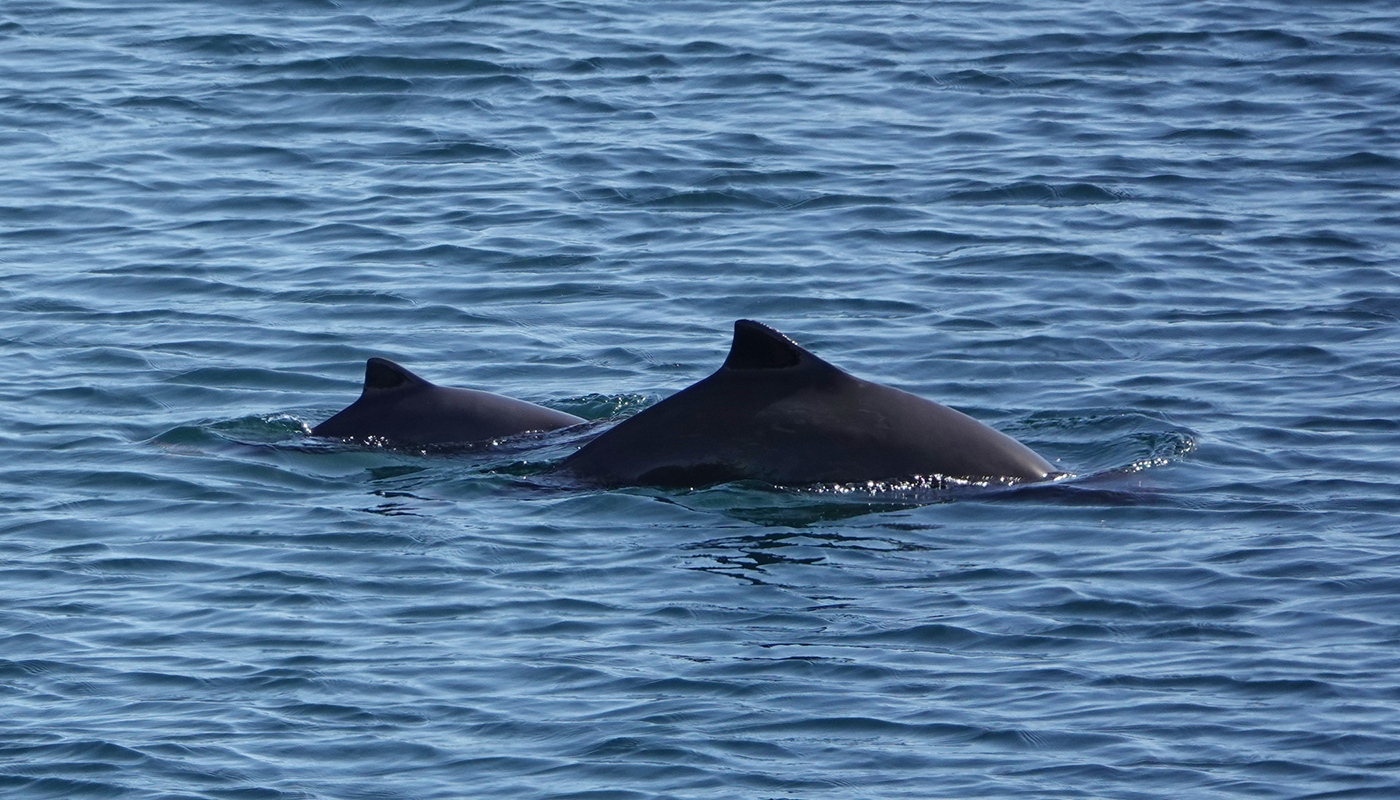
x=757, y=346
x=381, y=375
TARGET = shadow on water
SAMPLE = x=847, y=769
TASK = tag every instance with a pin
x=755, y=557
x=776, y=506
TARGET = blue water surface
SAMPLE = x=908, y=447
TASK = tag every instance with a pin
x=1157, y=242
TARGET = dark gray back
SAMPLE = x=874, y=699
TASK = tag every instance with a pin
x=777, y=413
x=397, y=407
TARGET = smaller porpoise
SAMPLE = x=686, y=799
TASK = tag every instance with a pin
x=776, y=413
x=399, y=408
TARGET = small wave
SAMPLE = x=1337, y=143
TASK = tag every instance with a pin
x=386, y=66
x=1363, y=161
x=458, y=152
x=975, y=79
x=226, y=44
x=729, y=200
x=256, y=153
x=1208, y=135
x=1032, y=193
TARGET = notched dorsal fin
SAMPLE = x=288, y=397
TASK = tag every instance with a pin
x=381, y=375
x=757, y=346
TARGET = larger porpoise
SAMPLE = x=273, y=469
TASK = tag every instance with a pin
x=776, y=413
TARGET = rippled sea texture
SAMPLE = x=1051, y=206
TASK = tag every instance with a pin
x=1156, y=241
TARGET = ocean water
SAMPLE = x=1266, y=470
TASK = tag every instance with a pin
x=1157, y=241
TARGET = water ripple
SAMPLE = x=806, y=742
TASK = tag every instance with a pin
x=1156, y=243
